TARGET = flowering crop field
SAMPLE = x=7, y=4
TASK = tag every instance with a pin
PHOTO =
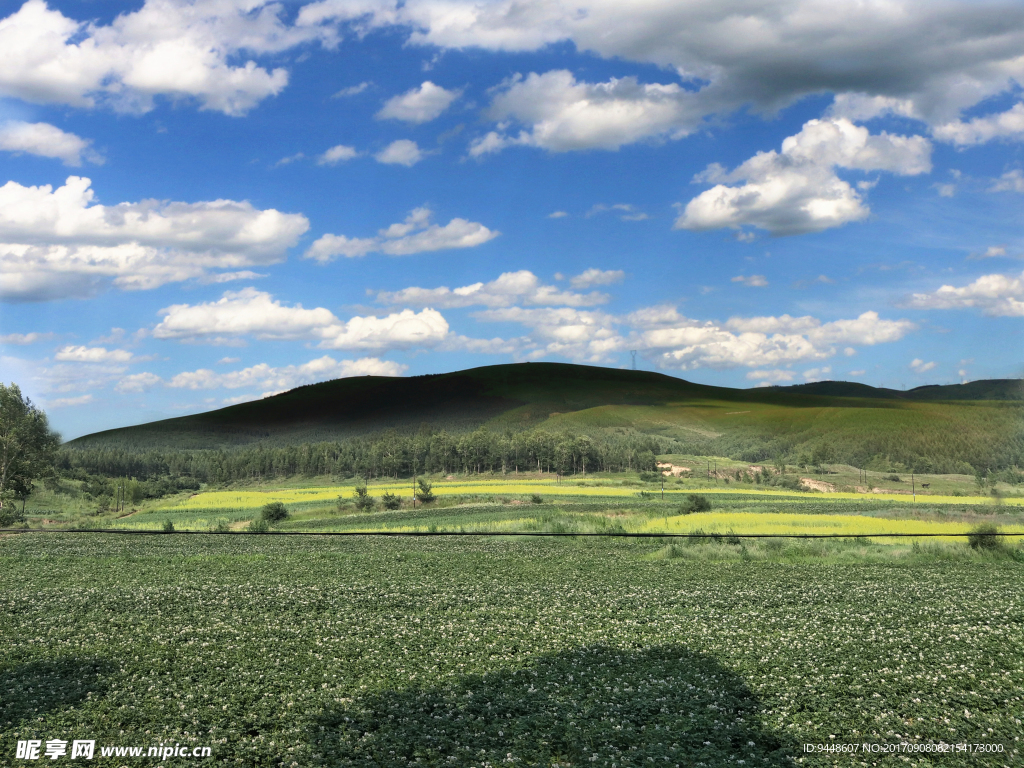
x=366, y=652
x=239, y=500
x=786, y=523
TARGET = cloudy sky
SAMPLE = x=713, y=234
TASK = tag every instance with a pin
x=203, y=202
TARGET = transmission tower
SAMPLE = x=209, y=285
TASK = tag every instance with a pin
x=633, y=353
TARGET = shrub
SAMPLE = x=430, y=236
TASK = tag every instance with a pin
x=894, y=478
x=536, y=499
x=273, y=512
x=258, y=526
x=390, y=500
x=424, y=493
x=695, y=502
x=168, y=526
x=983, y=537
x=364, y=501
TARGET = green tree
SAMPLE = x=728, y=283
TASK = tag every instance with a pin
x=28, y=447
x=274, y=512
x=425, y=492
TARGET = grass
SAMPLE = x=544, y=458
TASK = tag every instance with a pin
x=299, y=652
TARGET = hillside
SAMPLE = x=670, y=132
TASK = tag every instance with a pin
x=928, y=426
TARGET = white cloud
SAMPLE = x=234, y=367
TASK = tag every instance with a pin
x=994, y=251
x=59, y=243
x=758, y=342
x=857, y=373
x=996, y=295
x=414, y=235
x=80, y=354
x=797, y=191
x=337, y=154
x=399, y=330
x=1011, y=181
x=253, y=313
x=917, y=365
x=585, y=336
x=229, y=360
x=946, y=190
x=24, y=338
x=286, y=377
x=137, y=382
x=751, y=281
x=816, y=374
x=419, y=105
x=400, y=152
x=562, y=114
x=933, y=60
x=1004, y=125
x=773, y=376
x=290, y=159
x=522, y=287
x=557, y=215
x=65, y=402
x=625, y=211
x=46, y=140
x=592, y=277
x=352, y=90
x=244, y=312
x=176, y=50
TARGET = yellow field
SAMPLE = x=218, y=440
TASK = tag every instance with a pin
x=250, y=499
x=788, y=523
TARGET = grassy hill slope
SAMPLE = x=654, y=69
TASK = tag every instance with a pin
x=859, y=421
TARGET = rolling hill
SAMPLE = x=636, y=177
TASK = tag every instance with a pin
x=976, y=424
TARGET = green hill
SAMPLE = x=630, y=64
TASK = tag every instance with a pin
x=937, y=425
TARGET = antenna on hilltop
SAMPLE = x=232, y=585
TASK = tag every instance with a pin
x=633, y=353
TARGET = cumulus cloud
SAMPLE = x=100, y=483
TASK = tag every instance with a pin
x=996, y=295
x=176, y=50
x=797, y=190
x=419, y=105
x=337, y=154
x=557, y=215
x=287, y=377
x=757, y=342
x=59, y=243
x=561, y=114
x=352, y=90
x=1003, y=125
x=751, y=281
x=522, y=287
x=1011, y=181
x=593, y=277
x=65, y=402
x=81, y=354
x=399, y=330
x=400, y=152
x=584, y=336
x=414, y=235
x=46, y=140
x=917, y=365
x=24, y=338
x=625, y=211
x=254, y=313
x=773, y=376
x=244, y=312
x=933, y=60
x=136, y=383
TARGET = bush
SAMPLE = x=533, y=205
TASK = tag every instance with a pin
x=536, y=499
x=258, y=526
x=168, y=526
x=273, y=512
x=425, y=493
x=894, y=478
x=695, y=502
x=983, y=537
x=364, y=501
x=390, y=500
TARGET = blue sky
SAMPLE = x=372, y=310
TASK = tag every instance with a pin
x=205, y=202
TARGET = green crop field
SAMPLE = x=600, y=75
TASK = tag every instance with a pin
x=367, y=652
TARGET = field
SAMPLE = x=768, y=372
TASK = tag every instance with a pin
x=471, y=652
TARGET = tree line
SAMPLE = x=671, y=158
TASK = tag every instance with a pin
x=388, y=455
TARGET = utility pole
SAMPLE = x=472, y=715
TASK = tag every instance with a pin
x=913, y=486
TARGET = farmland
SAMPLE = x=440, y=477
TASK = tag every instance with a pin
x=301, y=652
